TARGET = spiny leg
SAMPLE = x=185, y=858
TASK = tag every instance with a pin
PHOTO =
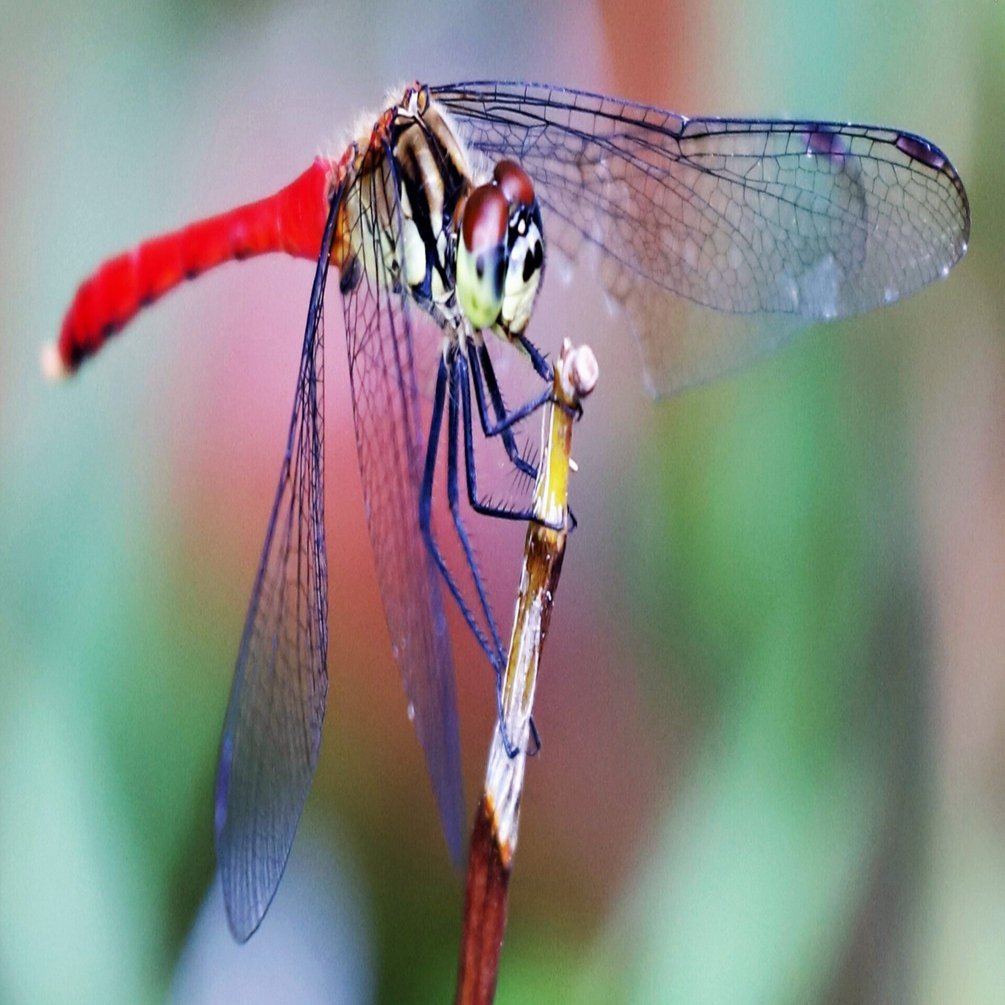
x=483, y=372
x=505, y=419
x=543, y=367
x=453, y=379
x=459, y=373
x=445, y=380
x=481, y=506
x=482, y=369
x=452, y=383
x=461, y=383
x=425, y=519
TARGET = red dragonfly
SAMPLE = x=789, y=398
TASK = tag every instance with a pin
x=436, y=222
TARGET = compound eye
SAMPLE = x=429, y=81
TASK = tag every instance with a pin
x=514, y=183
x=486, y=217
x=482, y=255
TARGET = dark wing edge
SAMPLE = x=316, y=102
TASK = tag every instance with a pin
x=391, y=446
x=794, y=221
x=272, y=729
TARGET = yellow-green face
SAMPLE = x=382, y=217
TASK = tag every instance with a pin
x=500, y=253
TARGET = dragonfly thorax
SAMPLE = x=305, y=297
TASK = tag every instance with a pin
x=399, y=208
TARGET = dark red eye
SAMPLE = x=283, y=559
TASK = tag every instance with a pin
x=486, y=217
x=514, y=183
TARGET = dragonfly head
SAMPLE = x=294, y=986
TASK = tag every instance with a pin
x=500, y=253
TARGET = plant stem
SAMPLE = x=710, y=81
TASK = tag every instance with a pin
x=494, y=835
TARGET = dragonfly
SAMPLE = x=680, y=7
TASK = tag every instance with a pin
x=717, y=237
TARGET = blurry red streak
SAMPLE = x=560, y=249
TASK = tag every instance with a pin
x=494, y=835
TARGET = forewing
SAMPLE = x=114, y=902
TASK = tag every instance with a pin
x=800, y=221
x=391, y=445
x=272, y=729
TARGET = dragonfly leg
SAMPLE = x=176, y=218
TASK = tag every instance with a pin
x=504, y=421
x=457, y=373
x=484, y=373
x=453, y=390
x=482, y=370
x=536, y=737
x=545, y=371
x=481, y=367
x=426, y=527
x=452, y=384
x=461, y=382
x=543, y=367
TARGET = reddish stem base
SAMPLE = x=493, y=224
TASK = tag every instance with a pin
x=485, y=901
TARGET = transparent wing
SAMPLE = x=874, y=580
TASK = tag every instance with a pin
x=391, y=444
x=799, y=221
x=272, y=730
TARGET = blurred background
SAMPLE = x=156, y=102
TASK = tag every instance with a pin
x=773, y=699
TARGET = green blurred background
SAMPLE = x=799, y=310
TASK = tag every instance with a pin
x=773, y=702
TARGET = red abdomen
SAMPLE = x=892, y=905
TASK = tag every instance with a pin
x=291, y=221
